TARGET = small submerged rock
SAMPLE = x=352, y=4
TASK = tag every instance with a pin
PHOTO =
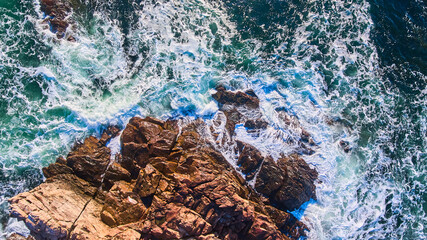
x=168, y=182
x=345, y=145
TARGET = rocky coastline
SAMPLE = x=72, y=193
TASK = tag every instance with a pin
x=170, y=182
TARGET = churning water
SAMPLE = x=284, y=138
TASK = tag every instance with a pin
x=351, y=70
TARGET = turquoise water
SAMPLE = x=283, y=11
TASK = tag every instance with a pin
x=348, y=70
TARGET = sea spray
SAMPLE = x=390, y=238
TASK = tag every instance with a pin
x=313, y=60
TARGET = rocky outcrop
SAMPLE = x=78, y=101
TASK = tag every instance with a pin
x=58, y=16
x=249, y=160
x=169, y=182
x=244, y=108
x=238, y=98
x=287, y=182
x=235, y=105
x=57, y=13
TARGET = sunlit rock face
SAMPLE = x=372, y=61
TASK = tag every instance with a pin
x=168, y=182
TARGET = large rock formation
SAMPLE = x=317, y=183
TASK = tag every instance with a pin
x=287, y=182
x=169, y=182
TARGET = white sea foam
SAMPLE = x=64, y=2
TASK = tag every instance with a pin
x=114, y=146
x=15, y=226
x=89, y=84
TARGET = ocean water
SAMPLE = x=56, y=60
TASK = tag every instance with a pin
x=351, y=70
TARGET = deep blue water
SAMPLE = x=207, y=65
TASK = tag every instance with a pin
x=348, y=70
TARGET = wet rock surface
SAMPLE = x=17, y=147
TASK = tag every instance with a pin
x=238, y=98
x=243, y=108
x=236, y=105
x=57, y=12
x=59, y=16
x=169, y=182
x=287, y=182
x=249, y=160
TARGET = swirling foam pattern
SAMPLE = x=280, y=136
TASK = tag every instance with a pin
x=349, y=70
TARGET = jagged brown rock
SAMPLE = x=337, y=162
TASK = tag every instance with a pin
x=235, y=104
x=58, y=12
x=288, y=183
x=89, y=160
x=249, y=159
x=238, y=98
x=57, y=168
x=169, y=182
x=182, y=188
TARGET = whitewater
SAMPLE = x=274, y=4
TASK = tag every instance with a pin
x=319, y=61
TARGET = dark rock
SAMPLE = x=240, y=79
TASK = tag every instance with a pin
x=345, y=145
x=249, y=159
x=234, y=117
x=238, y=98
x=270, y=178
x=145, y=138
x=305, y=136
x=304, y=149
x=89, y=160
x=256, y=124
x=55, y=169
x=288, y=183
x=58, y=11
x=61, y=160
x=235, y=105
x=287, y=223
